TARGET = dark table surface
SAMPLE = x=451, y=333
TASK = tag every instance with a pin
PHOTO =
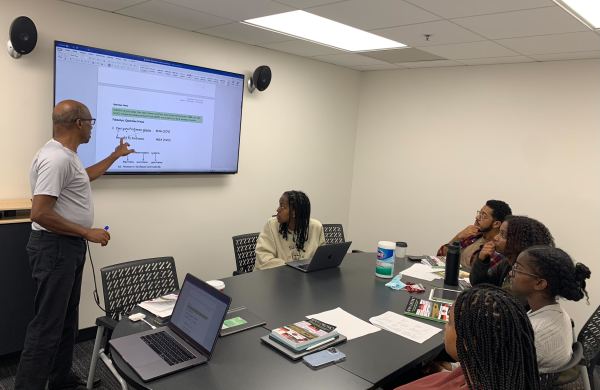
x=284, y=295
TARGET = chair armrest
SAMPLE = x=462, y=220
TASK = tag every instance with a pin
x=107, y=322
x=575, y=358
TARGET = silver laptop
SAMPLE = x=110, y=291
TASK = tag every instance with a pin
x=188, y=339
x=326, y=256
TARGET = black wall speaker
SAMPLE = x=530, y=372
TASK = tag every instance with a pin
x=261, y=78
x=23, y=37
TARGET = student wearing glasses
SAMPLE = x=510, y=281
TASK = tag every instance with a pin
x=62, y=213
x=516, y=234
x=473, y=238
x=542, y=274
x=490, y=335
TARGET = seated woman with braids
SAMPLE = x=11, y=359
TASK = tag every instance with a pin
x=489, y=333
x=517, y=233
x=291, y=235
x=541, y=274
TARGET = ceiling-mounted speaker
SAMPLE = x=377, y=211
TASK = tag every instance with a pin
x=260, y=79
x=23, y=37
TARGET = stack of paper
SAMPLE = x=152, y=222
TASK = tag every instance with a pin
x=421, y=271
x=405, y=327
x=346, y=324
x=162, y=306
x=429, y=273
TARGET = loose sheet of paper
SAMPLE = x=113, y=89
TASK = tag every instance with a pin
x=405, y=327
x=346, y=324
x=421, y=271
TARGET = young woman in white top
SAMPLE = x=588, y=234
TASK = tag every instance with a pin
x=291, y=234
x=541, y=274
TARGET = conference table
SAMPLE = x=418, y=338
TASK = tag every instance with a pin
x=285, y=295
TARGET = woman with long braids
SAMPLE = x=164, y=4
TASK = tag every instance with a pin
x=291, y=235
x=517, y=233
x=541, y=274
x=489, y=333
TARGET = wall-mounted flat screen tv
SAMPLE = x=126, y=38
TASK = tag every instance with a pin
x=179, y=118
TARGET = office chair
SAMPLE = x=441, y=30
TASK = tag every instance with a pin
x=589, y=337
x=244, y=247
x=334, y=233
x=124, y=286
x=567, y=377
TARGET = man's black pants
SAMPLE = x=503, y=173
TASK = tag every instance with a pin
x=56, y=263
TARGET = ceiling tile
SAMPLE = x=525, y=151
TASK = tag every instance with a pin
x=579, y=55
x=302, y=48
x=470, y=50
x=496, y=60
x=429, y=64
x=349, y=59
x=559, y=43
x=246, y=34
x=106, y=5
x=408, y=54
x=377, y=67
x=441, y=32
x=235, y=9
x=374, y=14
x=540, y=21
x=172, y=15
x=301, y=4
x=459, y=8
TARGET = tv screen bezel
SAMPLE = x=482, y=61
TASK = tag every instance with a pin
x=57, y=43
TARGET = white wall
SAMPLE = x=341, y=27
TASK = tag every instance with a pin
x=434, y=144
x=297, y=134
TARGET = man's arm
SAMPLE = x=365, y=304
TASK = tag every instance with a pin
x=98, y=169
x=42, y=212
x=467, y=232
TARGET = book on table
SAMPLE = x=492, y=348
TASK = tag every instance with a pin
x=429, y=310
x=304, y=334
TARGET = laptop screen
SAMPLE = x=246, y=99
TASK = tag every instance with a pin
x=199, y=312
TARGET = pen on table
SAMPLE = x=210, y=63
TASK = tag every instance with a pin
x=319, y=344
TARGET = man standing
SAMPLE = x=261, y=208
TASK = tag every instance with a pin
x=474, y=237
x=62, y=213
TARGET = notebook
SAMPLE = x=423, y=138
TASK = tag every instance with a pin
x=239, y=319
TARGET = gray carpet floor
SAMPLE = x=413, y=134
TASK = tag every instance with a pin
x=81, y=366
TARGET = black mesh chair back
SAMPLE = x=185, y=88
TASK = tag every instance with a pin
x=244, y=247
x=334, y=233
x=589, y=337
x=127, y=284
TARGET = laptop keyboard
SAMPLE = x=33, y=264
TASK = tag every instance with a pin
x=167, y=348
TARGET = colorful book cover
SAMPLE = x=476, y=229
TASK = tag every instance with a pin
x=303, y=334
x=423, y=308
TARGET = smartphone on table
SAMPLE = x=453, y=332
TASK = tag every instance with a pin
x=324, y=358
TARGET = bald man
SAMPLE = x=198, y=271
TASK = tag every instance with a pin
x=62, y=215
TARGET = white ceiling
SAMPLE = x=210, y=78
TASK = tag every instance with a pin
x=462, y=32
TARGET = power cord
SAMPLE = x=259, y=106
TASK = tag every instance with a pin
x=95, y=293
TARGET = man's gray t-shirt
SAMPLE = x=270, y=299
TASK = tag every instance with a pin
x=57, y=171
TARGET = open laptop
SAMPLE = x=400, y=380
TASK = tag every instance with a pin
x=188, y=339
x=326, y=256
